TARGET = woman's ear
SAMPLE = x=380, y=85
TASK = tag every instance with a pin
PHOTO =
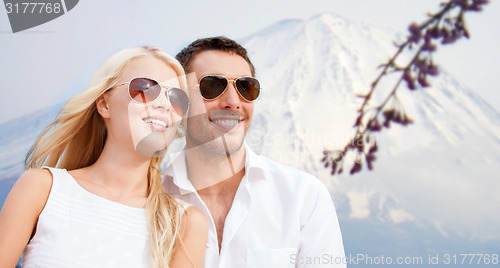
x=102, y=105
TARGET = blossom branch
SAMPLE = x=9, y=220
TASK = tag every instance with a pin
x=442, y=26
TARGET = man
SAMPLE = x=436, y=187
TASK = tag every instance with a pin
x=261, y=214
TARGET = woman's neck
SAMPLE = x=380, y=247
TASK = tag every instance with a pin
x=120, y=171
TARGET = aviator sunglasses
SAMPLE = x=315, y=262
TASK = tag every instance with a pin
x=213, y=86
x=143, y=90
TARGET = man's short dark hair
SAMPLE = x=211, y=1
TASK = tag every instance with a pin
x=220, y=43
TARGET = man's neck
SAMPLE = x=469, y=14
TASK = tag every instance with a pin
x=215, y=172
x=216, y=177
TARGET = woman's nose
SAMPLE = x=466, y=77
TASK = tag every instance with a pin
x=162, y=102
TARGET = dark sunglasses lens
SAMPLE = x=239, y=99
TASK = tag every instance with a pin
x=179, y=100
x=144, y=89
x=212, y=86
x=248, y=87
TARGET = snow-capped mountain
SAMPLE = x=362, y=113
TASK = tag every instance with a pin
x=434, y=185
x=439, y=171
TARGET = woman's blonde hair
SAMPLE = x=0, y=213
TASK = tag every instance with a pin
x=76, y=139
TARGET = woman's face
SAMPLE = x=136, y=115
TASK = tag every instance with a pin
x=150, y=126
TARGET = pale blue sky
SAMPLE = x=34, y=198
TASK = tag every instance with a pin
x=51, y=62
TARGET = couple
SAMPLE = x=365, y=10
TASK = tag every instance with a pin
x=218, y=204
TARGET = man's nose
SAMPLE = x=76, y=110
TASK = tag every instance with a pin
x=230, y=99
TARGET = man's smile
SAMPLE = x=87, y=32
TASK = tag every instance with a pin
x=225, y=120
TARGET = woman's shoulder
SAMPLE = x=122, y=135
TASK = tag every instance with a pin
x=35, y=185
x=190, y=213
x=193, y=234
x=182, y=204
x=21, y=210
x=36, y=179
x=194, y=213
x=30, y=192
x=194, y=219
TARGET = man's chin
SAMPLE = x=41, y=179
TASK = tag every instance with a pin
x=232, y=144
x=220, y=145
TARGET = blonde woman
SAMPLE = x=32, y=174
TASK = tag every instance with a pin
x=104, y=205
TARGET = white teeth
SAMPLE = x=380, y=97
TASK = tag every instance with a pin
x=229, y=123
x=155, y=121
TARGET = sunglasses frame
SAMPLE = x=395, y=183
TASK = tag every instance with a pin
x=234, y=84
x=164, y=88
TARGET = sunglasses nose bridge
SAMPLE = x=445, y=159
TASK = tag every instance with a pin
x=162, y=100
x=230, y=98
x=231, y=82
x=231, y=86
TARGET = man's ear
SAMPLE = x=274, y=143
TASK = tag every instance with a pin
x=102, y=105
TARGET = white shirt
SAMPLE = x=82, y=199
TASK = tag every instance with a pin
x=280, y=217
x=77, y=228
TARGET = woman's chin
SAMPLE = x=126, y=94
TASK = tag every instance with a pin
x=155, y=143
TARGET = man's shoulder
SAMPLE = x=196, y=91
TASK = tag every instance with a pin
x=284, y=174
x=303, y=189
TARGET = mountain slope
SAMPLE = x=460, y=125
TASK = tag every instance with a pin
x=437, y=172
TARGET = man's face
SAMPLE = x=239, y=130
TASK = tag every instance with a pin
x=228, y=115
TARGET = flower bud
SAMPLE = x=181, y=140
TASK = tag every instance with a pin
x=415, y=33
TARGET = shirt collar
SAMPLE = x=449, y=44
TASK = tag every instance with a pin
x=177, y=170
x=255, y=167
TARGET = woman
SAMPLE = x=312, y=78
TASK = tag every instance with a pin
x=104, y=204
